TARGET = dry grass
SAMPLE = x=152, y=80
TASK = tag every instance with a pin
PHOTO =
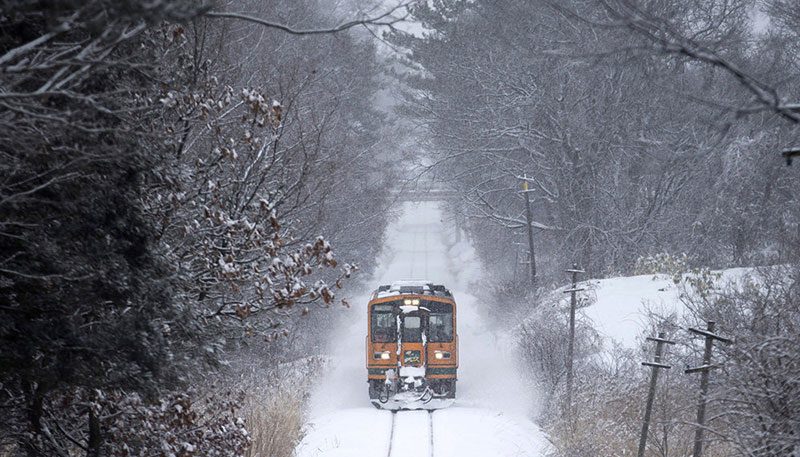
x=275, y=424
x=275, y=403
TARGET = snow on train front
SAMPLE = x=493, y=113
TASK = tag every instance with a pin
x=412, y=346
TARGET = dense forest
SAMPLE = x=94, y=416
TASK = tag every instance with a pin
x=174, y=185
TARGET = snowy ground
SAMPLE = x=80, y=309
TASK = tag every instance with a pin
x=488, y=418
x=619, y=306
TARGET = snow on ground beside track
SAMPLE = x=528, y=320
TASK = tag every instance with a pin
x=462, y=432
x=619, y=306
x=492, y=401
x=349, y=432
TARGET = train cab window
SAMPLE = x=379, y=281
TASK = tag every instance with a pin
x=440, y=327
x=412, y=329
x=383, y=324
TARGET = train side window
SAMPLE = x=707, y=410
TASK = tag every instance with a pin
x=383, y=324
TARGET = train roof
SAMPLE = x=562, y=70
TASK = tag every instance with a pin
x=412, y=287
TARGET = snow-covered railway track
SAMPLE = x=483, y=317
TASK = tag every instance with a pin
x=430, y=431
x=408, y=435
x=391, y=433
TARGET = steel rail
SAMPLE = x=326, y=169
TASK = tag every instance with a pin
x=391, y=434
x=430, y=430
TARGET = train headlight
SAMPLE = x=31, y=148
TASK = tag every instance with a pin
x=382, y=355
x=439, y=355
x=411, y=301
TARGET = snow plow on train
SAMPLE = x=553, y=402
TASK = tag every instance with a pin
x=412, y=346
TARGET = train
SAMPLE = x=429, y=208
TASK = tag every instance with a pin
x=412, y=346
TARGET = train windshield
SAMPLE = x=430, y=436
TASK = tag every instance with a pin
x=383, y=323
x=412, y=329
x=440, y=327
x=437, y=322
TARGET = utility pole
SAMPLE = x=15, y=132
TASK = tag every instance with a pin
x=517, y=260
x=459, y=222
x=529, y=220
x=656, y=365
x=704, y=369
x=573, y=303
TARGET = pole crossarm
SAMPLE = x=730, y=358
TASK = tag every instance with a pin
x=576, y=289
x=700, y=368
x=656, y=365
x=708, y=334
x=661, y=340
x=790, y=154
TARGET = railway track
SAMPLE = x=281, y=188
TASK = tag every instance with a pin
x=406, y=437
x=391, y=433
x=430, y=430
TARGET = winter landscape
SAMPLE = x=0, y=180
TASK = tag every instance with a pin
x=368, y=228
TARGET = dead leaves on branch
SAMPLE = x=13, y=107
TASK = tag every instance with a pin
x=245, y=251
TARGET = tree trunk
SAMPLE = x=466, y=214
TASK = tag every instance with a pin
x=95, y=440
x=35, y=408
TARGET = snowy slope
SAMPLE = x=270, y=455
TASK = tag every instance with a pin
x=618, y=306
x=488, y=417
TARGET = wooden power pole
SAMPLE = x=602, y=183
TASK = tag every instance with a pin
x=656, y=365
x=704, y=369
x=573, y=302
x=529, y=220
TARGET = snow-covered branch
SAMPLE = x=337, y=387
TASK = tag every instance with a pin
x=660, y=32
x=386, y=19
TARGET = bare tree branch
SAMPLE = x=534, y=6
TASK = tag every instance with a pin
x=386, y=19
x=672, y=41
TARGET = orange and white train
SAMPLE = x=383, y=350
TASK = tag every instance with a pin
x=412, y=346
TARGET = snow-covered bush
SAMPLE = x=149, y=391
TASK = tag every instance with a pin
x=753, y=392
x=541, y=344
x=663, y=263
x=182, y=425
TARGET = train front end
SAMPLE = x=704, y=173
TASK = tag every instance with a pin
x=412, y=347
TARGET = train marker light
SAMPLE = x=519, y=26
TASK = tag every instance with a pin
x=439, y=355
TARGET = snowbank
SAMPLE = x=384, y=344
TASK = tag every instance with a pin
x=618, y=307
